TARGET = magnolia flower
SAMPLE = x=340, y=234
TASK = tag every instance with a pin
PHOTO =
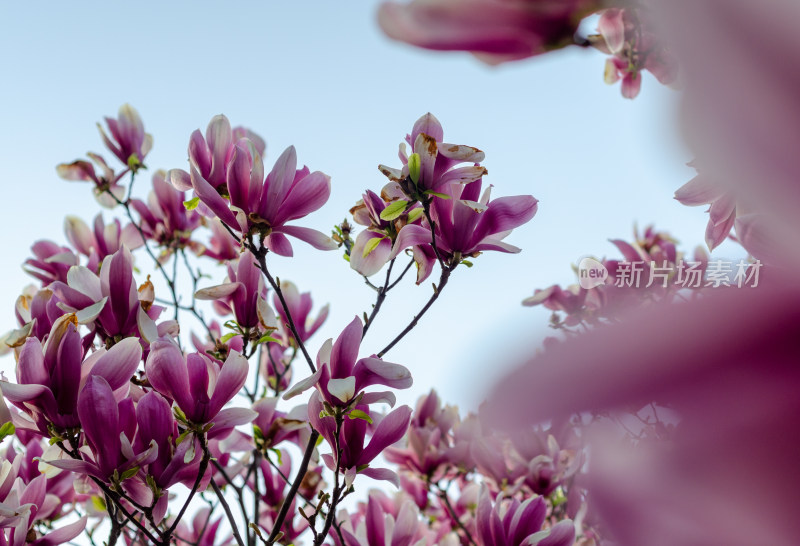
x=108, y=427
x=356, y=456
x=467, y=224
x=111, y=299
x=299, y=305
x=50, y=262
x=627, y=35
x=128, y=140
x=494, y=31
x=51, y=376
x=101, y=240
x=512, y=523
x=199, y=385
x=244, y=294
x=220, y=169
x=434, y=164
x=164, y=217
x=107, y=190
x=340, y=377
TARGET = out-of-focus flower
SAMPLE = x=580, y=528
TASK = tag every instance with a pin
x=107, y=190
x=201, y=531
x=512, y=523
x=50, y=262
x=627, y=34
x=299, y=305
x=165, y=218
x=702, y=190
x=101, y=241
x=495, y=31
x=128, y=140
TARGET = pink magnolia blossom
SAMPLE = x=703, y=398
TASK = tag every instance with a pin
x=50, y=376
x=107, y=190
x=468, y=224
x=512, y=523
x=627, y=35
x=341, y=376
x=438, y=161
x=199, y=385
x=128, y=140
x=228, y=178
x=164, y=218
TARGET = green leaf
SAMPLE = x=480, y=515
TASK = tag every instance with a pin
x=323, y=414
x=467, y=263
x=414, y=167
x=192, y=203
x=233, y=325
x=130, y=473
x=183, y=436
x=227, y=337
x=413, y=214
x=371, y=245
x=437, y=194
x=7, y=430
x=278, y=454
x=361, y=468
x=98, y=503
x=266, y=338
x=319, y=440
x=394, y=210
x=358, y=414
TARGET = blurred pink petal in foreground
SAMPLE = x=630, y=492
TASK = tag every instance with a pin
x=495, y=30
x=729, y=363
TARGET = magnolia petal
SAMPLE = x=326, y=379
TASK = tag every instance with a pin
x=390, y=430
x=303, y=385
x=315, y=238
x=306, y=196
x=87, y=315
x=385, y=397
x=700, y=190
x=382, y=474
x=459, y=152
x=228, y=418
x=410, y=235
x=375, y=260
x=343, y=389
x=180, y=179
x=219, y=291
x=147, y=326
x=374, y=371
x=84, y=281
x=229, y=382
x=119, y=363
x=612, y=27
x=345, y=350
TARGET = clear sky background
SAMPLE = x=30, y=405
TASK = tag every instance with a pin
x=320, y=75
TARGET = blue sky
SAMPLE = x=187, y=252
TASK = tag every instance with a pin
x=321, y=76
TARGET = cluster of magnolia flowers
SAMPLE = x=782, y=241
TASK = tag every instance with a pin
x=584, y=304
x=117, y=426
